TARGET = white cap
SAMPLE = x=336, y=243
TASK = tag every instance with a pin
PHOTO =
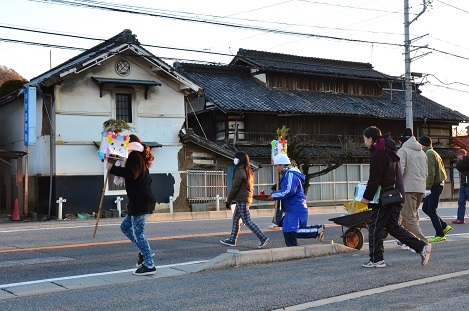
x=281, y=159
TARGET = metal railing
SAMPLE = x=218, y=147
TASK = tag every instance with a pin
x=204, y=186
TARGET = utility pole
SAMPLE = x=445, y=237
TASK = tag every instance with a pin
x=408, y=60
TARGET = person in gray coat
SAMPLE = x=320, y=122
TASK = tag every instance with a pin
x=414, y=169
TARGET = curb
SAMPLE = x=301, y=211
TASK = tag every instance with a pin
x=235, y=258
x=159, y=217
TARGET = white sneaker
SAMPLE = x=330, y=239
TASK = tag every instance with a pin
x=370, y=264
x=321, y=230
x=273, y=226
x=425, y=254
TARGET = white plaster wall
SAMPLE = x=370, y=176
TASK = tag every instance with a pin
x=11, y=126
x=81, y=112
x=12, y=137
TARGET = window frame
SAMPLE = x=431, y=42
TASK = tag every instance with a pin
x=131, y=95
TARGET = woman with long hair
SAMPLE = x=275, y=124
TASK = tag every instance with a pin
x=141, y=200
x=385, y=172
x=241, y=192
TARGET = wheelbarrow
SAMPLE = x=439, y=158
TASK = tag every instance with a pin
x=353, y=237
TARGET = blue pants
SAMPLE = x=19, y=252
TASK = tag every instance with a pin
x=292, y=221
x=133, y=227
x=462, y=198
x=430, y=204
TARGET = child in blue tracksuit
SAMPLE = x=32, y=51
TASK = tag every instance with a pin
x=294, y=202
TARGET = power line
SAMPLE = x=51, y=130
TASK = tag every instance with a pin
x=42, y=44
x=452, y=6
x=118, y=8
x=350, y=7
x=152, y=45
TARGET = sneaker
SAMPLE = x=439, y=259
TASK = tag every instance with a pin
x=437, y=239
x=447, y=229
x=140, y=259
x=425, y=254
x=320, y=235
x=459, y=222
x=263, y=243
x=228, y=242
x=143, y=270
x=370, y=264
x=273, y=226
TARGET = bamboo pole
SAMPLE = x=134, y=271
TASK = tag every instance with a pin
x=101, y=203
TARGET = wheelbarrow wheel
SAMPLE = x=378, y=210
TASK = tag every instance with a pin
x=354, y=238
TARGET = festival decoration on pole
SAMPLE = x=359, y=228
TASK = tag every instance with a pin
x=112, y=147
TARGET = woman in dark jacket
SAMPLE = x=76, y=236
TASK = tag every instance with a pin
x=141, y=200
x=241, y=192
x=385, y=172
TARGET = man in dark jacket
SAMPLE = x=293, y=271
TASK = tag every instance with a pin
x=463, y=167
x=385, y=172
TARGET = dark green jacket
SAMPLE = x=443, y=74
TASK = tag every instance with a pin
x=436, y=168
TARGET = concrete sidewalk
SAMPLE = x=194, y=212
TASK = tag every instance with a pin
x=231, y=258
x=256, y=212
x=223, y=213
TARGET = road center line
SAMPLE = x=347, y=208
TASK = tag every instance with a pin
x=373, y=291
x=174, y=237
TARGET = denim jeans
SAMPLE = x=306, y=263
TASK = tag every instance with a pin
x=430, y=204
x=133, y=227
x=462, y=198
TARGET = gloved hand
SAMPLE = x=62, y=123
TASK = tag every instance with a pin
x=228, y=205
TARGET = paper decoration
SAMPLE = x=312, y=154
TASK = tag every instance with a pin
x=113, y=145
x=278, y=147
x=360, y=190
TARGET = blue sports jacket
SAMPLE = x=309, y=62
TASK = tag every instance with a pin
x=291, y=190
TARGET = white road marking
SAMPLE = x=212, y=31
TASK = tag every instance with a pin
x=373, y=291
x=95, y=274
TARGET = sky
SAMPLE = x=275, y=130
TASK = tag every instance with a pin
x=369, y=31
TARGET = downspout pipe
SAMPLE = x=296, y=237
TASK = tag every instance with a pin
x=50, y=99
x=51, y=150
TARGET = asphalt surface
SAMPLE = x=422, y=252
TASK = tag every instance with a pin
x=332, y=281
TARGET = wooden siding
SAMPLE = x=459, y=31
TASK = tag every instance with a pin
x=321, y=84
x=261, y=128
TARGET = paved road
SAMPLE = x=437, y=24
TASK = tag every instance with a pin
x=256, y=287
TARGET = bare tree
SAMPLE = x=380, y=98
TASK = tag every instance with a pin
x=7, y=74
x=330, y=152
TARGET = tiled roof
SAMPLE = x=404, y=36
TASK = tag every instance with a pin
x=55, y=74
x=321, y=152
x=232, y=88
x=264, y=151
x=221, y=148
x=124, y=42
x=266, y=61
